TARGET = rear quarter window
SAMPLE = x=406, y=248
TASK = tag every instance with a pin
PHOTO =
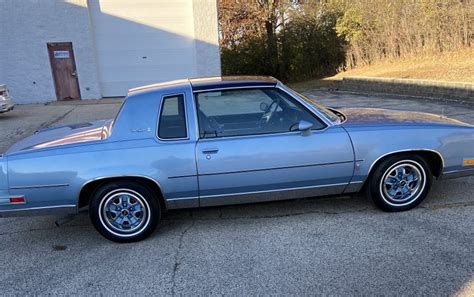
x=172, y=123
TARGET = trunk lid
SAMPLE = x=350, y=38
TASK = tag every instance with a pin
x=65, y=135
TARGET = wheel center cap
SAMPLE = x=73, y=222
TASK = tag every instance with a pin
x=403, y=183
x=125, y=212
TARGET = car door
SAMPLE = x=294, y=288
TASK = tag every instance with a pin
x=250, y=149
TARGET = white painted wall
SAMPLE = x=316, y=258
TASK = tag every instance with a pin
x=206, y=38
x=118, y=44
x=148, y=41
x=26, y=27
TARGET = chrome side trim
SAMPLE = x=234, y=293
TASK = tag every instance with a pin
x=457, y=173
x=39, y=211
x=272, y=195
x=406, y=151
x=186, y=202
x=39, y=186
x=276, y=168
x=119, y=176
x=354, y=187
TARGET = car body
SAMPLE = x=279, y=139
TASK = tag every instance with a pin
x=227, y=140
x=6, y=102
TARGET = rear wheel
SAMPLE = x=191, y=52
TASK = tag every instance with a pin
x=400, y=183
x=124, y=211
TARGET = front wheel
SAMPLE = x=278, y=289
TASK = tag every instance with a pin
x=400, y=183
x=124, y=211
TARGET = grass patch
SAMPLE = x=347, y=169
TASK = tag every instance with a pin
x=455, y=66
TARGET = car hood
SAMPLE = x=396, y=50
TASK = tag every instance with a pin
x=377, y=117
x=58, y=136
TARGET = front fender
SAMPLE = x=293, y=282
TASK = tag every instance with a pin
x=452, y=144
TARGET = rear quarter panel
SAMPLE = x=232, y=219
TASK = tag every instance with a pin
x=52, y=179
x=55, y=176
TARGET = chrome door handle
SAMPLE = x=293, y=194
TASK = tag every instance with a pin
x=210, y=151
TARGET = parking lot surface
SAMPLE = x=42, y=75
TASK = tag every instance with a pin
x=338, y=245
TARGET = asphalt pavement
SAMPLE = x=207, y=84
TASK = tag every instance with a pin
x=315, y=246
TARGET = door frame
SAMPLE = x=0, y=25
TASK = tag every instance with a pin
x=285, y=193
x=49, y=46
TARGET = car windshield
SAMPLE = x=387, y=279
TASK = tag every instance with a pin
x=321, y=108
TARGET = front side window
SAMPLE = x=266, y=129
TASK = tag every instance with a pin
x=172, y=124
x=250, y=112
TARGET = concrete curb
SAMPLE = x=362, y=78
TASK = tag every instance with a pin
x=409, y=87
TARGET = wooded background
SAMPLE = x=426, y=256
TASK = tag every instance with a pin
x=296, y=40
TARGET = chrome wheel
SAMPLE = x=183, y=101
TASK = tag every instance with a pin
x=403, y=183
x=124, y=212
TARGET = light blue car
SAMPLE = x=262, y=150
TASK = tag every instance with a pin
x=227, y=140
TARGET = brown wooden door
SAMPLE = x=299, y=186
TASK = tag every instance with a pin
x=63, y=65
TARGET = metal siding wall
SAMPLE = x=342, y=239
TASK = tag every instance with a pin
x=142, y=42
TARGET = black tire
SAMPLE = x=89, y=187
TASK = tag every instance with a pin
x=393, y=185
x=124, y=211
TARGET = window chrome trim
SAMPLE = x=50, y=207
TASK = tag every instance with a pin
x=163, y=97
x=262, y=135
x=316, y=112
x=306, y=107
x=234, y=88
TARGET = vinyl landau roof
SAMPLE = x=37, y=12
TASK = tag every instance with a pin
x=217, y=82
x=206, y=83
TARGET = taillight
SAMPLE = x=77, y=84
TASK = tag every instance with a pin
x=3, y=93
x=19, y=199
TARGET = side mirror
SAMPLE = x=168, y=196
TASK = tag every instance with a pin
x=303, y=126
x=263, y=107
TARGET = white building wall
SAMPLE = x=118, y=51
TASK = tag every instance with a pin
x=142, y=42
x=206, y=38
x=26, y=27
x=190, y=48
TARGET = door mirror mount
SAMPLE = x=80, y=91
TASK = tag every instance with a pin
x=305, y=127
